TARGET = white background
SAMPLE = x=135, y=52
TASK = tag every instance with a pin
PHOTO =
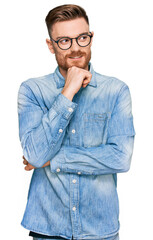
x=122, y=47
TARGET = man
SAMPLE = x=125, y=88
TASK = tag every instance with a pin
x=76, y=130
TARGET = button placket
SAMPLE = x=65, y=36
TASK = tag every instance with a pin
x=74, y=180
x=74, y=203
x=74, y=208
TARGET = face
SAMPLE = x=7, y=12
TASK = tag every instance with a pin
x=76, y=55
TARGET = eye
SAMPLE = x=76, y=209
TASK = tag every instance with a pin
x=64, y=41
x=83, y=38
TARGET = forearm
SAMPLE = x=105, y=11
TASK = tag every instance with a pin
x=41, y=134
x=104, y=159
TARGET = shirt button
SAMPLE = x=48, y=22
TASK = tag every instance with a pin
x=60, y=130
x=74, y=181
x=79, y=172
x=70, y=109
x=58, y=170
x=74, y=208
x=73, y=130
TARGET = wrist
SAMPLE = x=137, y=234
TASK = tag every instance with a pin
x=68, y=94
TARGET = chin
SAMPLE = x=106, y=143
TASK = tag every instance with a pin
x=79, y=65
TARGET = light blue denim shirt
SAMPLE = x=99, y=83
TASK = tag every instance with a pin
x=88, y=141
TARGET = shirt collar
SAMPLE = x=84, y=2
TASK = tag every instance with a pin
x=60, y=80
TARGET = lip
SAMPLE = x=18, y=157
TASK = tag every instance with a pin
x=76, y=58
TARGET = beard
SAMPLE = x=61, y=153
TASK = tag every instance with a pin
x=65, y=63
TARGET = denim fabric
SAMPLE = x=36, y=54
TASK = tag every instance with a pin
x=88, y=141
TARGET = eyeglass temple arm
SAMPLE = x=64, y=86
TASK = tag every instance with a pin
x=53, y=40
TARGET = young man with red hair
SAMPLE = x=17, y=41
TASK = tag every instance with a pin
x=76, y=130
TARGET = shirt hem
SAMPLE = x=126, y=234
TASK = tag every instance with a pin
x=75, y=238
x=44, y=233
x=100, y=237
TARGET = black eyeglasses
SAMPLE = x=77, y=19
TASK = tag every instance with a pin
x=82, y=40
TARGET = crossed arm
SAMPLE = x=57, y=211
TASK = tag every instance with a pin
x=42, y=141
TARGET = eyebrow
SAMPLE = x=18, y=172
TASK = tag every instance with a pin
x=70, y=37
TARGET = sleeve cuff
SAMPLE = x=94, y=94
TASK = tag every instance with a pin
x=64, y=106
x=57, y=161
x=58, y=164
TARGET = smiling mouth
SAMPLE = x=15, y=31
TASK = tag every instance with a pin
x=77, y=57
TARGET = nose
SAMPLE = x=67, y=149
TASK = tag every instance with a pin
x=75, y=46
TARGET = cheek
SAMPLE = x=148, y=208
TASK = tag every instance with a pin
x=60, y=54
x=88, y=50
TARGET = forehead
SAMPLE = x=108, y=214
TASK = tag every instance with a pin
x=70, y=28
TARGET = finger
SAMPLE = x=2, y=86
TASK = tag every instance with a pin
x=86, y=81
x=84, y=85
x=88, y=75
x=24, y=158
x=25, y=162
x=28, y=168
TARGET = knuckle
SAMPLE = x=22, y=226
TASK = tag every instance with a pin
x=73, y=67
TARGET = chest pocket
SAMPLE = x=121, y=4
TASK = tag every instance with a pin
x=94, y=129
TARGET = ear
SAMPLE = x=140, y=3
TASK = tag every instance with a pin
x=92, y=37
x=50, y=45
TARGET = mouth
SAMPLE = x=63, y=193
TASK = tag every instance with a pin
x=76, y=58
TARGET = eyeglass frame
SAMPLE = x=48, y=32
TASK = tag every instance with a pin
x=76, y=38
